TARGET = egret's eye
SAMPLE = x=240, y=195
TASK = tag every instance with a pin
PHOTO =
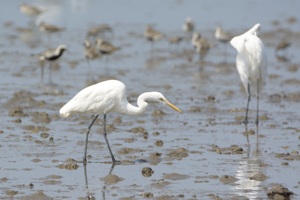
x=161, y=99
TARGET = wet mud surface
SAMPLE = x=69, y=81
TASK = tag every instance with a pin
x=205, y=152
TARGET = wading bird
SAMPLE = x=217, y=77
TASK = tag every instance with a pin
x=188, y=27
x=105, y=48
x=30, y=10
x=97, y=31
x=152, y=35
x=223, y=37
x=201, y=45
x=105, y=97
x=51, y=55
x=282, y=46
x=251, y=63
x=90, y=51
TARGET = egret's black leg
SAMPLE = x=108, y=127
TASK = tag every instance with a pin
x=257, y=108
x=247, y=109
x=87, y=138
x=106, y=140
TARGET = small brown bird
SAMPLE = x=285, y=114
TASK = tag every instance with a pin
x=90, y=51
x=283, y=45
x=30, y=10
x=96, y=31
x=105, y=47
x=151, y=34
x=201, y=45
x=222, y=36
x=188, y=25
x=49, y=28
x=175, y=40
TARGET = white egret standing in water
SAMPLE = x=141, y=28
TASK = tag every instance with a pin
x=251, y=63
x=105, y=97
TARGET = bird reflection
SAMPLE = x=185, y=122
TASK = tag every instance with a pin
x=249, y=172
x=88, y=192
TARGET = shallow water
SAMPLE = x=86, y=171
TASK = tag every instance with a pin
x=212, y=101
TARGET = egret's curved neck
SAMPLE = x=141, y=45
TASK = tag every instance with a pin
x=142, y=104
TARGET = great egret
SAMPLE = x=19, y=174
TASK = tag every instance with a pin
x=251, y=63
x=105, y=97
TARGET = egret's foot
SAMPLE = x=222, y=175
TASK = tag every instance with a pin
x=245, y=122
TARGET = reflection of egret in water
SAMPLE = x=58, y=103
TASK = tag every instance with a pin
x=249, y=173
x=88, y=192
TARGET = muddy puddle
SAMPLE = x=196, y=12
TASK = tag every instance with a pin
x=203, y=153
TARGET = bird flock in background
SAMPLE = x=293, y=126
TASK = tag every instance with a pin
x=110, y=96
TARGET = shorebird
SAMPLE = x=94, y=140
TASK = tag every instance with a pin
x=188, y=25
x=30, y=10
x=105, y=47
x=96, y=31
x=49, y=28
x=251, y=63
x=175, y=40
x=222, y=36
x=282, y=45
x=90, y=51
x=201, y=45
x=152, y=35
x=51, y=55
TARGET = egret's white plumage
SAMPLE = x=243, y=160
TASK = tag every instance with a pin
x=251, y=62
x=105, y=97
